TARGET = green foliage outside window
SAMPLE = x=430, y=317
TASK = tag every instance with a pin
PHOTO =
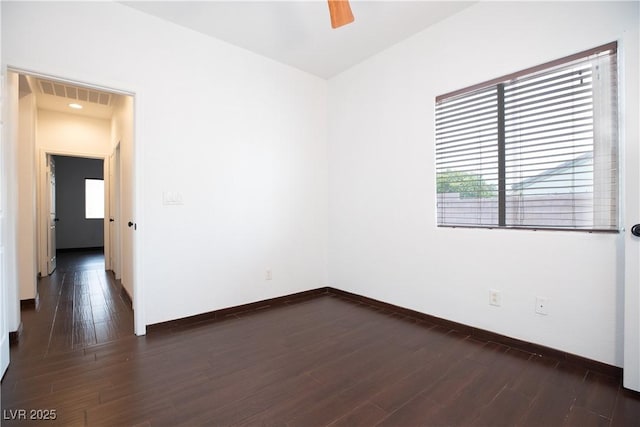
x=469, y=185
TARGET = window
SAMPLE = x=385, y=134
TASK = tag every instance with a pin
x=94, y=198
x=534, y=149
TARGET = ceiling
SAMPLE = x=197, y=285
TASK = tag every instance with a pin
x=56, y=96
x=298, y=32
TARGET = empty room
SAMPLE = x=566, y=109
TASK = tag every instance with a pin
x=399, y=213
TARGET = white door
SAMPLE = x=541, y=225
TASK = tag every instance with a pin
x=114, y=212
x=4, y=319
x=51, y=202
x=127, y=224
x=631, y=356
x=630, y=246
x=631, y=264
x=4, y=305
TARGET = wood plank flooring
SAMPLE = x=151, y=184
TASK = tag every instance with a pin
x=320, y=361
x=80, y=305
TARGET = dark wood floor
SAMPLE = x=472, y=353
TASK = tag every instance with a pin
x=80, y=305
x=319, y=361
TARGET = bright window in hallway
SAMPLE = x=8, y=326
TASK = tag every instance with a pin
x=94, y=198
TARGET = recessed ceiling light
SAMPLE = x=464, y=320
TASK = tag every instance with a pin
x=76, y=106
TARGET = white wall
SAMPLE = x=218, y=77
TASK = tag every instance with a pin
x=73, y=134
x=26, y=227
x=243, y=138
x=383, y=240
x=73, y=230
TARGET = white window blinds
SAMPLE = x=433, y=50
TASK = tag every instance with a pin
x=535, y=149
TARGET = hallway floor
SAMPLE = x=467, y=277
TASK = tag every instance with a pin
x=80, y=305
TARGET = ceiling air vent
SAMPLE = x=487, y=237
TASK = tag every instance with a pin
x=75, y=93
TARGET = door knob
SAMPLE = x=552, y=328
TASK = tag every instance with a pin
x=56, y=219
x=635, y=230
x=111, y=219
x=130, y=224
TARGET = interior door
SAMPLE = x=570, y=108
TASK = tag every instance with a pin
x=631, y=265
x=114, y=212
x=51, y=202
x=630, y=246
x=4, y=303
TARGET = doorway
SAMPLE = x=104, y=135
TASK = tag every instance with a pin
x=76, y=205
x=67, y=121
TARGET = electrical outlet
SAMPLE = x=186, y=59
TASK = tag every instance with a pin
x=268, y=275
x=542, y=305
x=495, y=297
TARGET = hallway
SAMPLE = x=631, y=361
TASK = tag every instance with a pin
x=80, y=305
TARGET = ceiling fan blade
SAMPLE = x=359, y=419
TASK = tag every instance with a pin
x=340, y=12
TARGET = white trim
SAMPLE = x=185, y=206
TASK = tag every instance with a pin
x=106, y=223
x=41, y=185
x=65, y=153
x=69, y=81
x=140, y=326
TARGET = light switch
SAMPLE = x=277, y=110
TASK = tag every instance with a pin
x=172, y=198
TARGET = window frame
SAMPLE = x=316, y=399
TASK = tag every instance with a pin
x=499, y=84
